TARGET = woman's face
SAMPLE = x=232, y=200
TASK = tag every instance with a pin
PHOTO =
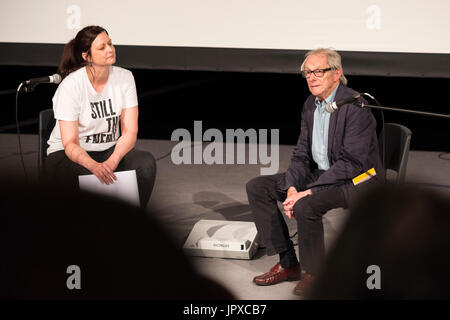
x=103, y=52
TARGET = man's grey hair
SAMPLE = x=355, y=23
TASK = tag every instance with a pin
x=333, y=60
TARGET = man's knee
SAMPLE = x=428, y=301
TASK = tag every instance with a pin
x=304, y=210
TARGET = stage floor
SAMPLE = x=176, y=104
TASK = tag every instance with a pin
x=186, y=193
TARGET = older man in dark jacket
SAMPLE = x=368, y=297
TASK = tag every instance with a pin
x=336, y=154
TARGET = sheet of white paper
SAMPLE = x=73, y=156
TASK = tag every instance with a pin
x=124, y=188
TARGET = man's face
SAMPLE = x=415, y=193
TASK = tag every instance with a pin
x=321, y=87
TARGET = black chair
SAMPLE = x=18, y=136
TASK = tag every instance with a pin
x=46, y=124
x=396, y=149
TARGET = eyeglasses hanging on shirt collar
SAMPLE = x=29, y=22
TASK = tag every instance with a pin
x=319, y=73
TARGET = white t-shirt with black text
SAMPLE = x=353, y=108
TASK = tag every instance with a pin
x=98, y=114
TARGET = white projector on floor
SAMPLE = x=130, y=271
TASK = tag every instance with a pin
x=222, y=239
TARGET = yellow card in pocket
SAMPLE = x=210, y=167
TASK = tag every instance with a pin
x=364, y=176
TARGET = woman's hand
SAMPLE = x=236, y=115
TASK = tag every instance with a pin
x=112, y=163
x=104, y=172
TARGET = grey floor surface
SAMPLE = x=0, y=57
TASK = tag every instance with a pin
x=184, y=194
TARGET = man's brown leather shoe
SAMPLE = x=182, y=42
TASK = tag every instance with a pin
x=278, y=274
x=304, y=284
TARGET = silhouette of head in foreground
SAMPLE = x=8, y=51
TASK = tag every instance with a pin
x=404, y=232
x=122, y=252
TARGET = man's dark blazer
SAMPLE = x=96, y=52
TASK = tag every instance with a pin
x=352, y=148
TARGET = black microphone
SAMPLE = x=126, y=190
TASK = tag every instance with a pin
x=333, y=106
x=56, y=78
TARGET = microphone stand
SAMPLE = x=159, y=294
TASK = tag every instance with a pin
x=424, y=113
x=5, y=92
x=440, y=115
x=27, y=86
x=23, y=88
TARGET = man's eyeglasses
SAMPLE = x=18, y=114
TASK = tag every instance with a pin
x=319, y=73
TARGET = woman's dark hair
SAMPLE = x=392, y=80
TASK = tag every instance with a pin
x=71, y=59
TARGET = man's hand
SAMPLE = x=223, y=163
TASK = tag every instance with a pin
x=292, y=197
x=291, y=191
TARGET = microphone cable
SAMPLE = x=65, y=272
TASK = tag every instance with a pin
x=18, y=131
x=382, y=131
x=383, y=141
x=444, y=155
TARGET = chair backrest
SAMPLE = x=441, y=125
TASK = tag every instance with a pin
x=396, y=150
x=46, y=123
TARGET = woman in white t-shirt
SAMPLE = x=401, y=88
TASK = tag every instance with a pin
x=96, y=109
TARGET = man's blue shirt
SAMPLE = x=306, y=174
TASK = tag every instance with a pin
x=320, y=132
